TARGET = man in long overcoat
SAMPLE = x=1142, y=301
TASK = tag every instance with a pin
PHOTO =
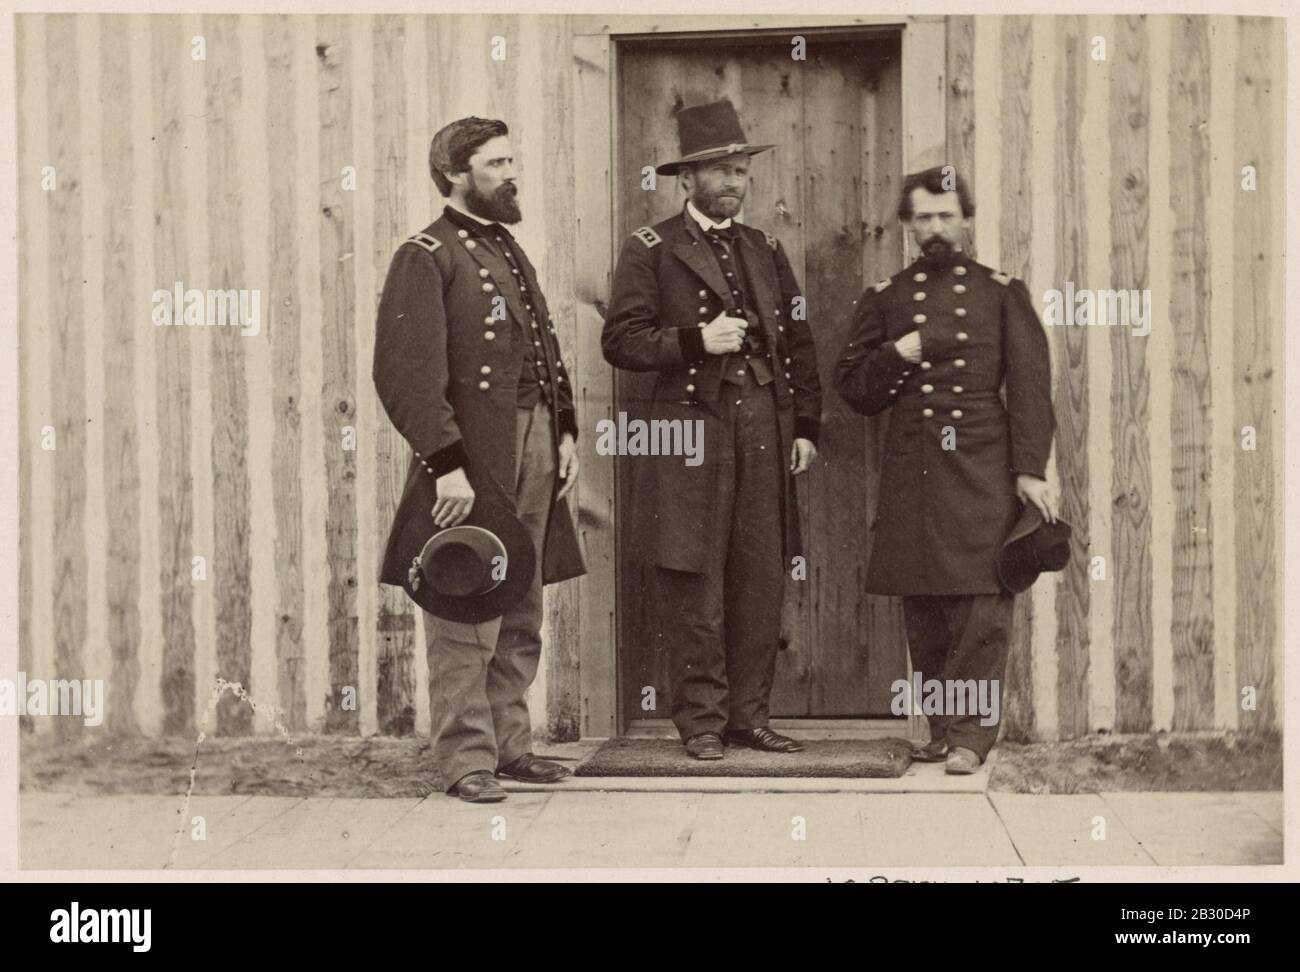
x=713, y=307
x=956, y=352
x=468, y=368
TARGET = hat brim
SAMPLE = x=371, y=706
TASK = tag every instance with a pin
x=672, y=168
x=1016, y=570
x=521, y=560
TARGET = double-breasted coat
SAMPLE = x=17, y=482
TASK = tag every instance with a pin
x=667, y=287
x=975, y=412
x=446, y=369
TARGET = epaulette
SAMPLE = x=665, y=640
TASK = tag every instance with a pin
x=882, y=285
x=648, y=236
x=771, y=240
x=426, y=241
x=1000, y=277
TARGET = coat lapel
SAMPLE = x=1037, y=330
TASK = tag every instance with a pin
x=698, y=256
x=498, y=269
x=760, y=273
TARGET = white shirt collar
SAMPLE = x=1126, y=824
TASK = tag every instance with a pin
x=705, y=222
x=465, y=212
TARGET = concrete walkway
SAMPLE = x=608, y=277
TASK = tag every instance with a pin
x=687, y=826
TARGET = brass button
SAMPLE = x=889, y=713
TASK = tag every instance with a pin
x=487, y=321
x=956, y=413
x=489, y=335
x=704, y=310
x=927, y=412
x=483, y=272
x=463, y=234
x=899, y=382
x=925, y=366
x=787, y=374
x=918, y=318
x=893, y=391
x=927, y=388
x=959, y=271
x=960, y=362
x=957, y=389
x=787, y=360
x=483, y=386
x=959, y=289
x=740, y=371
x=960, y=312
x=690, y=388
x=919, y=278
x=488, y=288
x=704, y=293
x=919, y=295
x=691, y=372
x=962, y=335
x=469, y=244
x=485, y=370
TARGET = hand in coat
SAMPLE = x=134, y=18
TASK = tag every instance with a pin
x=724, y=334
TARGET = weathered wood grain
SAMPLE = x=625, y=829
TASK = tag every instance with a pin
x=1191, y=426
x=960, y=101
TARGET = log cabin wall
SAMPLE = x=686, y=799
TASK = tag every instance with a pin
x=195, y=502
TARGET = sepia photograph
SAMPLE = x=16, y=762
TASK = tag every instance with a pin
x=646, y=444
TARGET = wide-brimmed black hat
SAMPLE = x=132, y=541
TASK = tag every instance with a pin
x=706, y=132
x=471, y=572
x=1032, y=547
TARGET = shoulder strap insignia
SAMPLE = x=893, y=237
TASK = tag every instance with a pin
x=425, y=241
x=882, y=285
x=648, y=236
x=771, y=240
x=1000, y=277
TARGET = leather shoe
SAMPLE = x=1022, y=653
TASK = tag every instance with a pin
x=935, y=751
x=705, y=745
x=961, y=762
x=764, y=739
x=533, y=769
x=478, y=787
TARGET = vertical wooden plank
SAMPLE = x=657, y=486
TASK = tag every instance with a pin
x=338, y=299
x=1015, y=231
x=149, y=703
x=1191, y=426
x=837, y=520
x=231, y=562
x=556, y=170
x=285, y=321
x=121, y=470
x=67, y=365
x=1257, y=273
x=1224, y=185
x=1097, y=182
x=988, y=139
x=596, y=237
x=318, y=424
x=395, y=625
x=1070, y=354
x=30, y=100
x=259, y=354
x=960, y=104
x=1130, y=550
x=924, y=92
x=361, y=46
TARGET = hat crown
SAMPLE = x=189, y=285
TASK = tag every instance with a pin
x=703, y=128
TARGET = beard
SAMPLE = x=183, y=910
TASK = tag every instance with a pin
x=938, y=252
x=717, y=206
x=500, y=206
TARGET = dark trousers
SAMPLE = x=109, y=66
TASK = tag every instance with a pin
x=955, y=638
x=722, y=626
x=479, y=673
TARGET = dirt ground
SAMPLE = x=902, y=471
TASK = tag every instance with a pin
x=383, y=767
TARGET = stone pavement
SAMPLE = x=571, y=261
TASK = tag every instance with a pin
x=667, y=823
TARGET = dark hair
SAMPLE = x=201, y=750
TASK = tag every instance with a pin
x=455, y=143
x=940, y=179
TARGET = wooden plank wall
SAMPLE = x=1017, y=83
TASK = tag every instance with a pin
x=195, y=502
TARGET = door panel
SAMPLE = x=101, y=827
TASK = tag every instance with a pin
x=827, y=191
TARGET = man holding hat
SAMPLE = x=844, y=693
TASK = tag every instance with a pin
x=956, y=352
x=468, y=368
x=713, y=307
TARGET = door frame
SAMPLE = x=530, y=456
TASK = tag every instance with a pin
x=596, y=42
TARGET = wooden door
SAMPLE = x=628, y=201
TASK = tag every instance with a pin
x=828, y=192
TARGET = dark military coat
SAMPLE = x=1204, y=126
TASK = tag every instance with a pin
x=447, y=372
x=667, y=286
x=971, y=415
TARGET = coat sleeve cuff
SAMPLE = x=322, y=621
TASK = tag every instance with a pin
x=447, y=459
x=568, y=422
x=691, y=342
x=807, y=428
